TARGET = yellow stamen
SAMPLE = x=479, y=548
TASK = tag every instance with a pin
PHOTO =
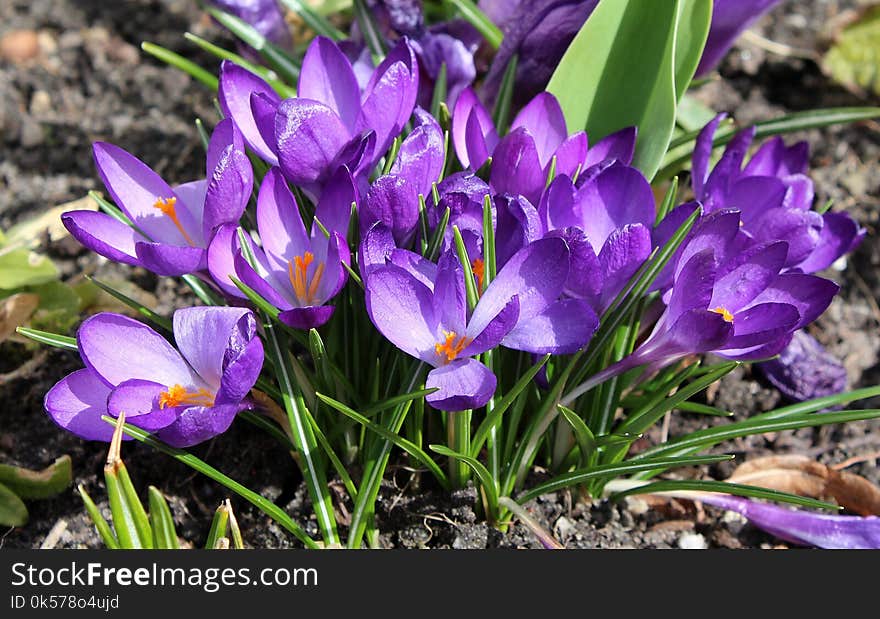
x=452, y=346
x=725, y=313
x=178, y=395
x=168, y=206
x=479, y=269
x=305, y=287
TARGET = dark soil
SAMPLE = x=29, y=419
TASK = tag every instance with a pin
x=90, y=81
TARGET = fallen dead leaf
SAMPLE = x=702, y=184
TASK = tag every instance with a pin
x=15, y=311
x=29, y=232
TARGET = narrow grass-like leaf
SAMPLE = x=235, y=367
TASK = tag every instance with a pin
x=437, y=239
x=490, y=486
x=111, y=209
x=135, y=507
x=52, y=339
x=143, y=310
x=476, y=18
x=544, y=536
x=490, y=264
x=439, y=94
x=605, y=471
x=582, y=434
x=263, y=504
x=702, y=409
x=161, y=522
x=396, y=401
x=501, y=113
x=317, y=22
x=103, y=528
x=179, y=62
x=470, y=284
x=408, y=446
x=668, y=201
x=218, y=526
x=202, y=291
x=369, y=30
x=698, y=485
x=338, y=466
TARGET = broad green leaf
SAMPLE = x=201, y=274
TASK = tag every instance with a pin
x=59, y=307
x=218, y=526
x=161, y=522
x=13, y=512
x=22, y=267
x=854, y=59
x=489, y=484
x=628, y=66
x=100, y=523
x=43, y=484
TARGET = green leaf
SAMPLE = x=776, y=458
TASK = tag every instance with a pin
x=605, y=471
x=582, y=434
x=143, y=310
x=22, y=267
x=179, y=62
x=439, y=94
x=100, y=523
x=854, y=58
x=628, y=66
x=726, y=488
x=470, y=284
x=161, y=521
x=501, y=113
x=488, y=483
x=59, y=307
x=409, y=447
x=52, y=339
x=476, y=18
x=218, y=526
x=692, y=115
x=13, y=512
x=43, y=484
x=370, y=31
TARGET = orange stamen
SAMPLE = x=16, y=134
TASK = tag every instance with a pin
x=178, y=395
x=305, y=287
x=725, y=313
x=452, y=346
x=479, y=269
x=168, y=206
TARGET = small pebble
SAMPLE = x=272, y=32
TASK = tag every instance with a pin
x=692, y=541
x=19, y=45
x=31, y=133
x=563, y=528
x=41, y=103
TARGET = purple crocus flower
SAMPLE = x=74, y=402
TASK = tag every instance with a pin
x=183, y=396
x=393, y=198
x=803, y=527
x=296, y=271
x=423, y=311
x=173, y=226
x=264, y=15
x=330, y=123
x=729, y=19
x=804, y=370
x=774, y=196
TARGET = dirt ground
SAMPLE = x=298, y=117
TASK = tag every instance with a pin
x=89, y=81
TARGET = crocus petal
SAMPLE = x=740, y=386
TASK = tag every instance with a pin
x=767, y=160
x=693, y=285
x=229, y=190
x=618, y=196
x=840, y=235
x=196, y=424
x=335, y=274
x=478, y=149
x=729, y=19
x=401, y=308
x=234, y=92
x=811, y=295
x=696, y=331
x=622, y=255
x=751, y=273
x=171, y=260
x=394, y=201
x=461, y=385
x=571, y=154
x=136, y=188
x=562, y=328
x=801, y=229
x=306, y=318
x=516, y=168
x=230, y=329
x=385, y=105
x=517, y=225
x=221, y=259
x=755, y=195
x=225, y=134
x=799, y=192
x=702, y=154
x=728, y=168
x=327, y=76
x=804, y=527
x=542, y=117
x=619, y=146
x=761, y=324
x=468, y=105
x=104, y=235
x=586, y=279
x=77, y=402
x=805, y=370
x=376, y=246
x=535, y=275
x=492, y=334
x=421, y=155
x=557, y=205
x=117, y=348
x=334, y=206
x=273, y=286
x=138, y=400
x=450, y=302
x=416, y=265
x=279, y=221
x=309, y=136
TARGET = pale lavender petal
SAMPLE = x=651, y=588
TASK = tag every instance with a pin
x=139, y=400
x=117, y=348
x=279, y=221
x=76, y=403
x=463, y=384
x=309, y=136
x=221, y=259
x=229, y=190
x=619, y=146
x=306, y=318
x=492, y=334
x=517, y=225
x=225, y=134
x=421, y=157
x=327, y=76
x=196, y=424
x=516, y=168
x=103, y=234
x=801, y=229
x=760, y=325
x=236, y=87
x=468, y=105
x=543, y=119
x=478, y=148
x=384, y=106
x=171, y=260
x=450, y=302
x=571, y=154
x=811, y=295
x=277, y=290
x=335, y=274
x=334, y=206
x=562, y=328
x=618, y=196
x=622, y=255
x=394, y=201
x=748, y=276
x=376, y=247
x=840, y=235
x=416, y=265
x=693, y=285
x=754, y=196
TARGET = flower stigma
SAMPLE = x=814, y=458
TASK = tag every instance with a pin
x=452, y=346
x=178, y=395
x=725, y=313
x=479, y=269
x=168, y=206
x=305, y=288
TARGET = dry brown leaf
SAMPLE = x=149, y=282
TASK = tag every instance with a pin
x=801, y=475
x=29, y=232
x=15, y=311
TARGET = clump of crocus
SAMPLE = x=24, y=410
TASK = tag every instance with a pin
x=183, y=395
x=172, y=227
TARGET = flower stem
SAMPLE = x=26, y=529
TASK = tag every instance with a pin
x=458, y=430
